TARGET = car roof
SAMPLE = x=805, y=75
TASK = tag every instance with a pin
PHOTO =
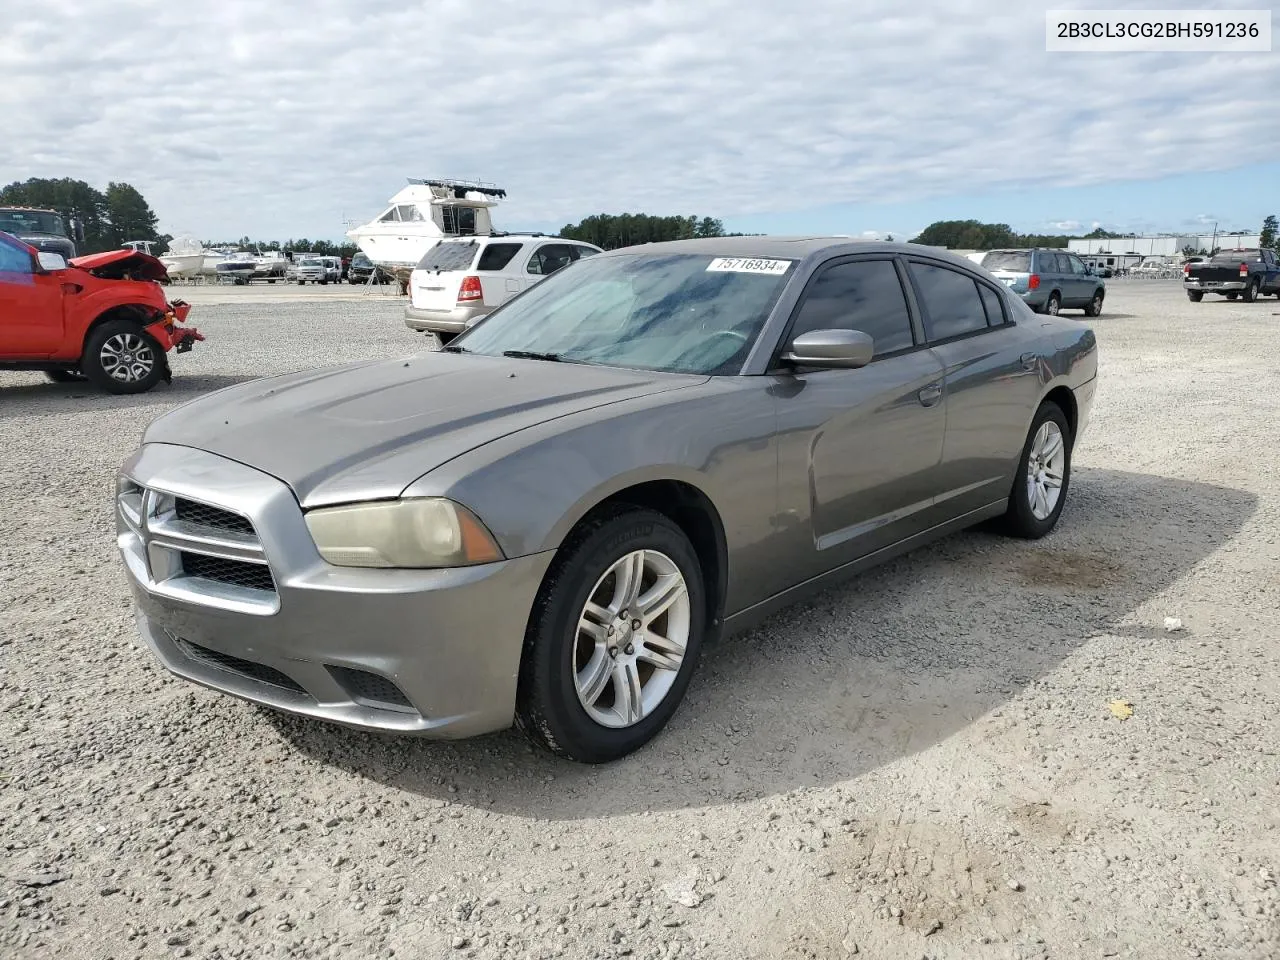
x=790, y=248
x=518, y=237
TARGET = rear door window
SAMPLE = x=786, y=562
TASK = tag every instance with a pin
x=497, y=255
x=551, y=257
x=951, y=302
x=448, y=256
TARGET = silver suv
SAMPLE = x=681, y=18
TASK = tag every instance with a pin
x=462, y=279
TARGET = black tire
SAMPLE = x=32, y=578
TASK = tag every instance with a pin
x=92, y=364
x=1232, y=295
x=1053, y=306
x=1018, y=520
x=548, y=709
x=1195, y=296
x=66, y=376
x=1251, y=291
x=1094, y=307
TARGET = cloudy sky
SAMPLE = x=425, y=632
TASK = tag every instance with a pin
x=286, y=118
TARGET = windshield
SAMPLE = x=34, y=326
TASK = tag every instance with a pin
x=448, y=256
x=679, y=313
x=20, y=222
x=311, y=263
x=1236, y=256
x=1011, y=261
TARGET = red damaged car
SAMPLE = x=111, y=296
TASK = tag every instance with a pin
x=103, y=317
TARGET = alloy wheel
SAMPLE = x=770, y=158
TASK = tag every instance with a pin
x=127, y=357
x=631, y=638
x=1046, y=466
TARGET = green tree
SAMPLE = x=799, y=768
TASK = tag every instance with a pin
x=1270, y=226
x=129, y=215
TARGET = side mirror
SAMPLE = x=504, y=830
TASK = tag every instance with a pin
x=51, y=261
x=842, y=349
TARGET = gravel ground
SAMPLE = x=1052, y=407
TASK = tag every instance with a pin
x=921, y=764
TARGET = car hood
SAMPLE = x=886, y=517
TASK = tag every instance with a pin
x=117, y=264
x=365, y=431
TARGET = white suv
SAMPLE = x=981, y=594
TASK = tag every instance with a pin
x=461, y=279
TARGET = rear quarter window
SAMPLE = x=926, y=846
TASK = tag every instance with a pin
x=449, y=256
x=497, y=255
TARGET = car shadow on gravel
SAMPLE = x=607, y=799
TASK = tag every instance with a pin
x=890, y=664
x=51, y=399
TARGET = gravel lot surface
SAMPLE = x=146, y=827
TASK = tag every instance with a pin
x=921, y=764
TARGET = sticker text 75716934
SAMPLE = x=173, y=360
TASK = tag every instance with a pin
x=748, y=265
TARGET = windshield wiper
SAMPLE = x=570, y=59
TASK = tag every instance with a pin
x=534, y=355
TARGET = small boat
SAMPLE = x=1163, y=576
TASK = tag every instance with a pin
x=184, y=258
x=270, y=266
x=420, y=216
x=239, y=268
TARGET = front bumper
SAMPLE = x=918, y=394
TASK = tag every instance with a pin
x=442, y=321
x=430, y=652
x=1215, y=286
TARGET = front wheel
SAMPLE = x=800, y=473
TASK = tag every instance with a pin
x=1195, y=296
x=613, y=638
x=1094, y=307
x=1251, y=291
x=1044, y=473
x=121, y=357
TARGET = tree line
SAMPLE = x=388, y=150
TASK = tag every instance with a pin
x=609, y=231
x=110, y=218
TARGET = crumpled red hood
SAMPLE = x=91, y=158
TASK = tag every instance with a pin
x=116, y=264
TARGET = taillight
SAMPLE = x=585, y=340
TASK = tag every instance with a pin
x=1244, y=269
x=1186, y=268
x=470, y=290
x=1033, y=282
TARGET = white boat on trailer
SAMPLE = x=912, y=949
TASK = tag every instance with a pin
x=420, y=216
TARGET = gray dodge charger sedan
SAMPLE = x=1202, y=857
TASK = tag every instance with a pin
x=546, y=520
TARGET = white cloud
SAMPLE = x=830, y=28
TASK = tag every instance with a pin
x=277, y=119
x=1066, y=226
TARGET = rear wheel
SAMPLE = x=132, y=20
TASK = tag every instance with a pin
x=1044, y=473
x=1251, y=291
x=613, y=638
x=1195, y=296
x=1054, y=306
x=120, y=357
x=1094, y=307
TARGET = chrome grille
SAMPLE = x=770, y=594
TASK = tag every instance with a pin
x=195, y=551
x=254, y=576
x=215, y=518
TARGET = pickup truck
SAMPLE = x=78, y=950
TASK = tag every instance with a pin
x=103, y=317
x=1244, y=273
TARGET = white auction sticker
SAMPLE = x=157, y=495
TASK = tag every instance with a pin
x=747, y=265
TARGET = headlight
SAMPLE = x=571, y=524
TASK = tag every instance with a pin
x=427, y=532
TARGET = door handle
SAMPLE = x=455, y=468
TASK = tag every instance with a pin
x=931, y=394
x=1029, y=360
